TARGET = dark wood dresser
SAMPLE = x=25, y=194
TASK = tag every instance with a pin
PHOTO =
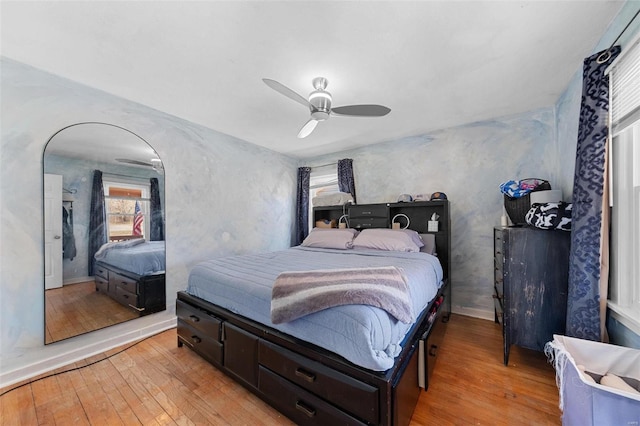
x=531, y=269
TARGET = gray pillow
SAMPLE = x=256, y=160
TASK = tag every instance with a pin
x=404, y=240
x=331, y=238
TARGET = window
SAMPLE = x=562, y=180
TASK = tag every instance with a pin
x=321, y=182
x=624, y=291
x=127, y=206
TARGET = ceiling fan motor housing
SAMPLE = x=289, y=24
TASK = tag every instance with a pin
x=321, y=103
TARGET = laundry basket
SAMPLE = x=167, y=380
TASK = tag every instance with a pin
x=587, y=403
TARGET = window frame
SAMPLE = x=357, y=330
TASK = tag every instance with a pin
x=133, y=184
x=326, y=180
x=624, y=181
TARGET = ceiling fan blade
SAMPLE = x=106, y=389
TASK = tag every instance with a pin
x=281, y=88
x=134, y=162
x=307, y=128
x=361, y=110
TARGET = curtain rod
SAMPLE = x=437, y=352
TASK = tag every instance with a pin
x=125, y=176
x=324, y=165
x=606, y=55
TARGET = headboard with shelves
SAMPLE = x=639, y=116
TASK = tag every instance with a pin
x=380, y=215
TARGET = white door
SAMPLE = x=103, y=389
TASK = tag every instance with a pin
x=52, y=231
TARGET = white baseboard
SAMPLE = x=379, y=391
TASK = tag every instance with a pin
x=476, y=313
x=77, y=280
x=74, y=354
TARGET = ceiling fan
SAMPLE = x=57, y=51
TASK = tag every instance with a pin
x=319, y=103
x=155, y=163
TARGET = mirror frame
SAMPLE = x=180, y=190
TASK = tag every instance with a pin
x=155, y=281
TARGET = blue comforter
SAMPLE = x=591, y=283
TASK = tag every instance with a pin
x=365, y=335
x=142, y=258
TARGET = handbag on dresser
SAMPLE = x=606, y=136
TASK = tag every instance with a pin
x=550, y=216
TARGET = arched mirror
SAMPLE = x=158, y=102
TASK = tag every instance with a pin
x=103, y=192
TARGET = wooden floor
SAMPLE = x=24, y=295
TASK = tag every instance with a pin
x=155, y=382
x=78, y=308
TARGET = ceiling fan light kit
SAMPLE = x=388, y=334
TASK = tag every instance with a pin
x=319, y=104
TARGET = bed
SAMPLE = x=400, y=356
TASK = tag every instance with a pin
x=348, y=364
x=132, y=272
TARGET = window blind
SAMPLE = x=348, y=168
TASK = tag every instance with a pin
x=624, y=76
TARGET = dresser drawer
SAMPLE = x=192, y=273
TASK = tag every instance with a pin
x=101, y=272
x=127, y=298
x=203, y=344
x=299, y=405
x=498, y=302
x=102, y=285
x=207, y=324
x=125, y=283
x=352, y=395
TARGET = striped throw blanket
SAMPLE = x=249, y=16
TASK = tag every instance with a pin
x=299, y=293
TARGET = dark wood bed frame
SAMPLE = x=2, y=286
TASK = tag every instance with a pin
x=145, y=294
x=309, y=384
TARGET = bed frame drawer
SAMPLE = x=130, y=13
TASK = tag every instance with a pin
x=299, y=405
x=102, y=285
x=101, y=272
x=207, y=324
x=352, y=395
x=125, y=283
x=203, y=344
x=127, y=299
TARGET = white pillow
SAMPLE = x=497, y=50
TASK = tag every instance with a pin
x=389, y=239
x=331, y=238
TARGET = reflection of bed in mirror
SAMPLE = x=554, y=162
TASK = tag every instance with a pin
x=132, y=273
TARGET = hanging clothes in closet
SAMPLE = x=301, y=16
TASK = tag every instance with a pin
x=68, y=240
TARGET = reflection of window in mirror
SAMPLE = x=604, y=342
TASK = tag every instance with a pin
x=127, y=209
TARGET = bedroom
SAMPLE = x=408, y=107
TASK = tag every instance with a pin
x=211, y=176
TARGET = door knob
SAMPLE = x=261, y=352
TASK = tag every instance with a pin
x=57, y=237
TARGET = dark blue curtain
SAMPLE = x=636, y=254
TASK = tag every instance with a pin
x=302, y=205
x=157, y=222
x=97, y=219
x=346, y=183
x=584, y=317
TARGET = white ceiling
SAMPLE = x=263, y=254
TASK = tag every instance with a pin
x=436, y=64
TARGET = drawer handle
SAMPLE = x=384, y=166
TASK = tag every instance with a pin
x=433, y=350
x=194, y=318
x=196, y=339
x=309, y=377
x=135, y=307
x=302, y=406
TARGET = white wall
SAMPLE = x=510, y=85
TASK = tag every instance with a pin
x=220, y=199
